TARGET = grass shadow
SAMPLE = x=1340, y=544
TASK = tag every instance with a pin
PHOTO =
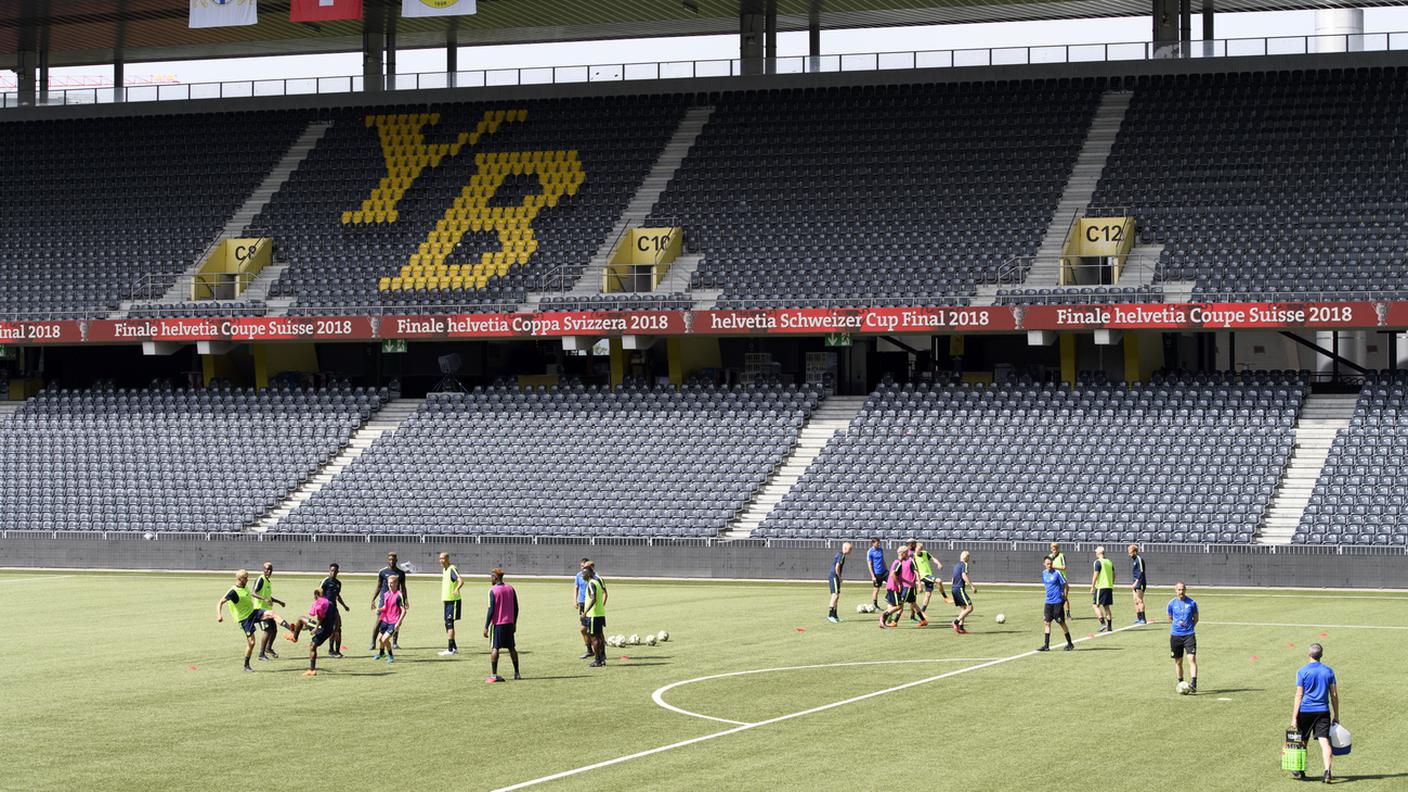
x=1365, y=777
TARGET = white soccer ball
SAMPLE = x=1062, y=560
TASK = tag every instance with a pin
x=1184, y=688
x=634, y=640
x=149, y=536
x=1001, y=618
x=862, y=608
x=650, y=640
x=662, y=636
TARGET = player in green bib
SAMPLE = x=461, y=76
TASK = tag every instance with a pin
x=264, y=599
x=926, y=565
x=594, y=611
x=450, y=585
x=245, y=612
x=1102, y=589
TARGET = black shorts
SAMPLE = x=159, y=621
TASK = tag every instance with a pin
x=928, y=584
x=1054, y=612
x=833, y=583
x=385, y=628
x=324, y=633
x=892, y=596
x=1313, y=725
x=452, y=613
x=1183, y=644
x=1103, y=597
x=877, y=579
x=1141, y=586
x=960, y=597
x=596, y=625
x=907, y=595
x=502, y=637
x=255, y=616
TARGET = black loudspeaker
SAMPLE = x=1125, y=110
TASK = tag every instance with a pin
x=450, y=364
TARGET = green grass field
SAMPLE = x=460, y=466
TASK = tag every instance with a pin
x=127, y=682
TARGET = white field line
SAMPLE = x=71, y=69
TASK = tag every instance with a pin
x=781, y=718
x=658, y=695
x=1308, y=626
x=35, y=578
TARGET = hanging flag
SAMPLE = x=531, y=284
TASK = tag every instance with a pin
x=430, y=8
x=324, y=10
x=223, y=13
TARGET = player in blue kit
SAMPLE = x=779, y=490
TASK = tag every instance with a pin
x=878, y=571
x=1054, y=609
x=833, y=580
x=1183, y=619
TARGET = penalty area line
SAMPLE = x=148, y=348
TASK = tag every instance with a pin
x=781, y=718
x=1307, y=626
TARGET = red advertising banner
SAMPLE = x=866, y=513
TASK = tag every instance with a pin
x=1202, y=316
x=263, y=328
x=51, y=332
x=816, y=321
x=762, y=322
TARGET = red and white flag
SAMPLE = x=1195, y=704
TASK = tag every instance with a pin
x=324, y=10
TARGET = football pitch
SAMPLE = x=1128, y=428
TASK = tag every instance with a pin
x=125, y=681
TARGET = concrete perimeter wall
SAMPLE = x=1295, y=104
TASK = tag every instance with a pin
x=1001, y=562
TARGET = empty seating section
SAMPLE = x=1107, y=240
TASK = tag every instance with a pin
x=460, y=205
x=1186, y=459
x=891, y=195
x=1080, y=295
x=90, y=208
x=155, y=460
x=1289, y=184
x=1362, y=494
x=567, y=461
x=618, y=302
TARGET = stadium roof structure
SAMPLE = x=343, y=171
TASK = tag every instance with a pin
x=90, y=32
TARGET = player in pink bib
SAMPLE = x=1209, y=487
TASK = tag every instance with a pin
x=390, y=615
x=317, y=619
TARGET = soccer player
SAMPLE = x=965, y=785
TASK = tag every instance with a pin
x=332, y=589
x=450, y=585
x=264, y=599
x=1055, y=608
x=581, y=594
x=899, y=590
x=1183, y=620
x=322, y=616
x=963, y=589
x=243, y=611
x=1058, y=563
x=1102, y=590
x=838, y=565
x=391, y=570
x=1140, y=584
x=926, y=565
x=1317, y=705
x=876, y=557
x=594, y=609
x=389, y=617
x=503, y=619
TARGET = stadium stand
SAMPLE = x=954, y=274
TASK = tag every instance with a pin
x=88, y=209
x=448, y=228
x=567, y=461
x=1277, y=182
x=162, y=459
x=1187, y=458
x=1361, y=496
x=899, y=195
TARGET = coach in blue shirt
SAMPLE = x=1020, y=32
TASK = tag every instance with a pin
x=1317, y=704
x=878, y=571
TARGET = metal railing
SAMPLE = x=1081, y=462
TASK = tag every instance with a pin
x=155, y=286
x=1037, y=54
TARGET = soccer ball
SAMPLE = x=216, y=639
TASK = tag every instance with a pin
x=1184, y=688
x=149, y=536
x=1001, y=618
x=650, y=640
x=634, y=640
x=662, y=636
x=862, y=608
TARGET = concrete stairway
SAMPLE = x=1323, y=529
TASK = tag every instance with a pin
x=386, y=421
x=832, y=416
x=1321, y=418
x=588, y=282
x=8, y=409
x=1080, y=188
x=236, y=224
